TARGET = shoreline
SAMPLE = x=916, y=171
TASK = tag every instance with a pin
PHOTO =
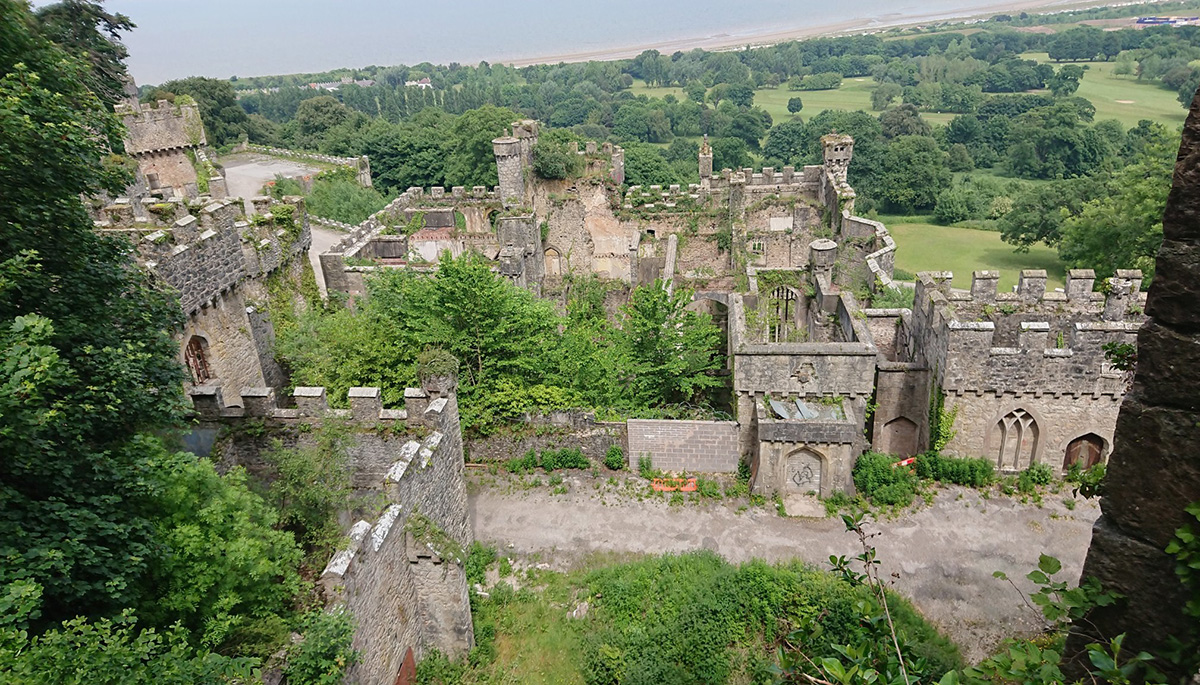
x=763, y=38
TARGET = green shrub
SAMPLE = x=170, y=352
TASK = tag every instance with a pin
x=645, y=466
x=479, y=558
x=1034, y=476
x=873, y=471
x=566, y=458
x=889, y=298
x=971, y=472
x=549, y=460
x=614, y=459
x=524, y=464
x=708, y=488
x=324, y=655
x=553, y=160
x=895, y=494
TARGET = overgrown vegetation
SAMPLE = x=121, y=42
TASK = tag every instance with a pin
x=515, y=353
x=548, y=460
x=692, y=618
x=335, y=195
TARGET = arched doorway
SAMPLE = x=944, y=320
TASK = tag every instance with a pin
x=553, y=262
x=1016, y=438
x=804, y=471
x=899, y=437
x=1086, y=450
x=196, y=356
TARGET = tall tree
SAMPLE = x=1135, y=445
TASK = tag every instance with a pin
x=85, y=347
x=89, y=33
x=670, y=352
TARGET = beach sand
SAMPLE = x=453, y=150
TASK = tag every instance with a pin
x=769, y=37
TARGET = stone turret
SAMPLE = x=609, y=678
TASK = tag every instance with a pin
x=511, y=170
x=839, y=148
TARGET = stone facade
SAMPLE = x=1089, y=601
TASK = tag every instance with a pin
x=405, y=587
x=164, y=138
x=218, y=261
x=1025, y=372
x=778, y=257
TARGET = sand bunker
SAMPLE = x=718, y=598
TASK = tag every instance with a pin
x=1125, y=102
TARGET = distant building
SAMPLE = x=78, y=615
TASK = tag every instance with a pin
x=1168, y=21
x=423, y=83
x=345, y=81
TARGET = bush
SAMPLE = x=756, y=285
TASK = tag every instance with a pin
x=971, y=472
x=615, y=458
x=479, y=557
x=710, y=489
x=567, y=458
x=893, y=298
x=324, y=655
x=897, y=494
x=1034, y=476
x=550, y=460
x=874, y=471
x=645, y=467
x=524, y=464
x=556, y=160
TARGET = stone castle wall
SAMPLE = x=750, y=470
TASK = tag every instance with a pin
x=684, y=446
x=161, y=126
x=1031, y=357
x=406, y=590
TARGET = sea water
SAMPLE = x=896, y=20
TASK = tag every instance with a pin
x=223, y=38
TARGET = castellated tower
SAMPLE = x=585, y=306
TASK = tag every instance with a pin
x=510, y=166
x=839, y=148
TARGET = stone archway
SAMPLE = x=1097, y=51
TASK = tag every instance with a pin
x=195, y=355
x=898, y=437
x=1086, y=450
x=804, y=471
x=554, y=266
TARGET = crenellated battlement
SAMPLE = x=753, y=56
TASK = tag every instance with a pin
x=161, y=126
x=204, y=249
x=366, y=405
x=1026, y=341
x=400, y=571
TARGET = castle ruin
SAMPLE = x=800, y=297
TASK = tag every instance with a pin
x=781, y=261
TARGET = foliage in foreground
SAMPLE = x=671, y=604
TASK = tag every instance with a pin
x=691, y=618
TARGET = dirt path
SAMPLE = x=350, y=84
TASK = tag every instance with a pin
x=945, y=553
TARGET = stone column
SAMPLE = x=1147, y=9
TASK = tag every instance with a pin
x=1154, y=471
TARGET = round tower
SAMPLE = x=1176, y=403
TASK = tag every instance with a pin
x=510, y=170
x=822, y=256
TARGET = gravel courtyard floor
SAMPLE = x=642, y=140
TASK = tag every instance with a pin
x=942, y=554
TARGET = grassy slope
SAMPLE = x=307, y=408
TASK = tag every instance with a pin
x=929, y=247
x=1105, y=89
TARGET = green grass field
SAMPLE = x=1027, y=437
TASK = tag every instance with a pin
x=854, y=94
x=929, y=247
x=1123, y=98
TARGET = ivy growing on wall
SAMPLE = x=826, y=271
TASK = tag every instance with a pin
x=941, y=422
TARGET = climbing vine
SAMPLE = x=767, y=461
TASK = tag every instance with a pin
x=941, y=422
